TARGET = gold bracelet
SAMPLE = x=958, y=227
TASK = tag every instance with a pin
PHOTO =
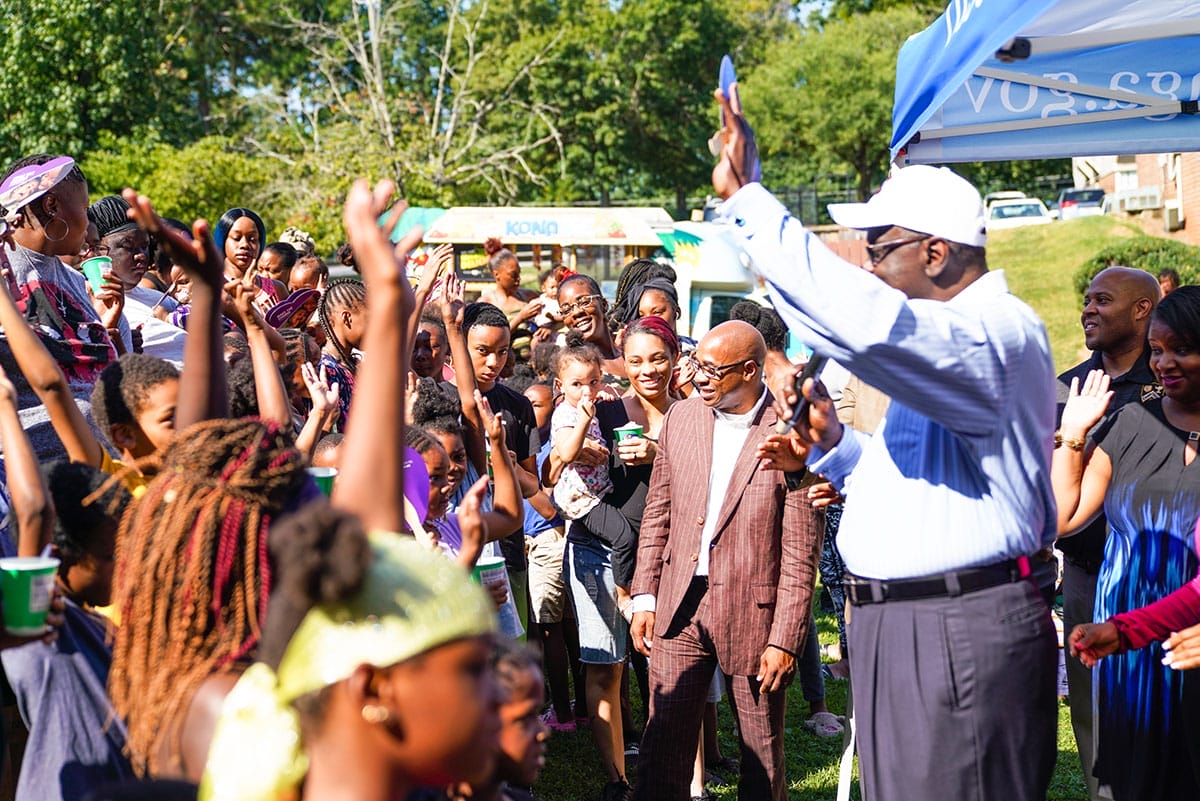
x=1073, y=444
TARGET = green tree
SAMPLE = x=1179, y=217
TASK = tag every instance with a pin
x=72, y=70
x=823, y=103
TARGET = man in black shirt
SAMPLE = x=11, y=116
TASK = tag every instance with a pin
x=1115, y=318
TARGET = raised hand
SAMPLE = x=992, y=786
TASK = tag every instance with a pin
x=323, y=394
x=1085, y=405
x=472, y=526
x=441, y=258
x=410, y=397
x=452, y=301
x=242, y=293
x=739, y=153
x=493, y=424
x=197, y=257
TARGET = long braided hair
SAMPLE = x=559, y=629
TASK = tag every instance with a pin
x=193, y=576
x=637, y=272
x=342, y=293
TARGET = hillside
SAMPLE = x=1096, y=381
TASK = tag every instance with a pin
x=1040, y=262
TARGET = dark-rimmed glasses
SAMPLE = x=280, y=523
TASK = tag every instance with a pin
x=586, y=303
x=713, y=372
x=881, y=250
x=94, y=250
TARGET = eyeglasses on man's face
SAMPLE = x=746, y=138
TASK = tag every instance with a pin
x=881, y=250
x=713, y=372
x=585, y=303
x=94, y=250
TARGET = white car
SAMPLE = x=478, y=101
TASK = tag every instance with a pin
x=1007, y=194
x=1017, y=212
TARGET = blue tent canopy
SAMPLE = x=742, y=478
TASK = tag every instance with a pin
x=1017, y=79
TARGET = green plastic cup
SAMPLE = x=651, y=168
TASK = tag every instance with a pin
x=27, y=584
x=95, y=268
x=628, y=431
x=324, y=476
x=489, y=570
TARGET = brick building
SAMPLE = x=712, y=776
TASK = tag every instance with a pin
x=1161, y=190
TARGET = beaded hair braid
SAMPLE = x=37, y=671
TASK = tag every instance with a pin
x=192, y=576
x=343, y=293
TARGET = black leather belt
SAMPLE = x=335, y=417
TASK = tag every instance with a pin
x=863, y=591
x=1091, y=566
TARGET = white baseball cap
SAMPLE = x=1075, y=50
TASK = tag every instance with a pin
x=929, y=200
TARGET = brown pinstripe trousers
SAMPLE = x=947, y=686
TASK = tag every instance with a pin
x=681, y=669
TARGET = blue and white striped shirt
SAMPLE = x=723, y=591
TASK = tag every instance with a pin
x=958, y=473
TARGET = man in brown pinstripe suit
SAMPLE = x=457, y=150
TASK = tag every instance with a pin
x=726, y=564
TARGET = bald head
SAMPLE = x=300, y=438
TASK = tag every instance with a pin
x=1139, y=283
x=737, y=339
x=1116, y=309
x=730, y=375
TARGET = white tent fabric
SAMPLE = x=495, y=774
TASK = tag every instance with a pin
x=1017, y=79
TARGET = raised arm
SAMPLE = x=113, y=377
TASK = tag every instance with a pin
x=438, y=264
x=33, y=511
x=271, y=392
x=1079, y=471
x=202, y=393
x=50, y=383
x=371, y=481
x=325, y=403
x=850, y=315
x=464, y=374
x=508, y=513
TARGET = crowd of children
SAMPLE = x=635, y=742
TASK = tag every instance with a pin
x=159, y=424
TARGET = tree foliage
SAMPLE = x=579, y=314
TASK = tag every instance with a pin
x=1149, y=253
x=278, y=104
x=825, y=98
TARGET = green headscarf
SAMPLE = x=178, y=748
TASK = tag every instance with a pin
x=413, y=600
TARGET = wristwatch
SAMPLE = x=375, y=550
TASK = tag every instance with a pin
x=793, y=480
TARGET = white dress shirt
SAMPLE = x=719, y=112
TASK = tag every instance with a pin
x=729, y=436
x=958, y=473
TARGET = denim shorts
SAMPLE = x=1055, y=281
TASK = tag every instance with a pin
x=603, y=632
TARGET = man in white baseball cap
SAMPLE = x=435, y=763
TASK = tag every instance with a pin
x=952, y=651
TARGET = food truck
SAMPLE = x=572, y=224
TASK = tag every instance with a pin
x=710, y=267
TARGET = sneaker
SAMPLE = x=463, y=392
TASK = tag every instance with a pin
x=617, y=791
x=632, y=749
x=551, y=721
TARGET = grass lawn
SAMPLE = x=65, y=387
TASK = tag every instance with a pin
x=573, y=772
x=1040, y=263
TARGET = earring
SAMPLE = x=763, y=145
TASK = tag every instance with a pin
x=66, y=231
x=375, y=714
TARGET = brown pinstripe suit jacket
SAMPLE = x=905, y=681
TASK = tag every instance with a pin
x=763, y=562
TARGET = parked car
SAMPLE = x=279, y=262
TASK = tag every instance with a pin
x=1016, y=212
x=1074, y=203
x=1007, y=194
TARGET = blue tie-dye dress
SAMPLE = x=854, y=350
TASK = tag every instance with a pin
x=1152, y=504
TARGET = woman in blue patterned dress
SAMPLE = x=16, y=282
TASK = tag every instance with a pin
x=1141, y=468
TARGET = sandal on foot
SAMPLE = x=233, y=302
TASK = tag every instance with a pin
x=825, y=724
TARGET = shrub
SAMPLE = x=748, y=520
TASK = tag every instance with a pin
x=1147, y=253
